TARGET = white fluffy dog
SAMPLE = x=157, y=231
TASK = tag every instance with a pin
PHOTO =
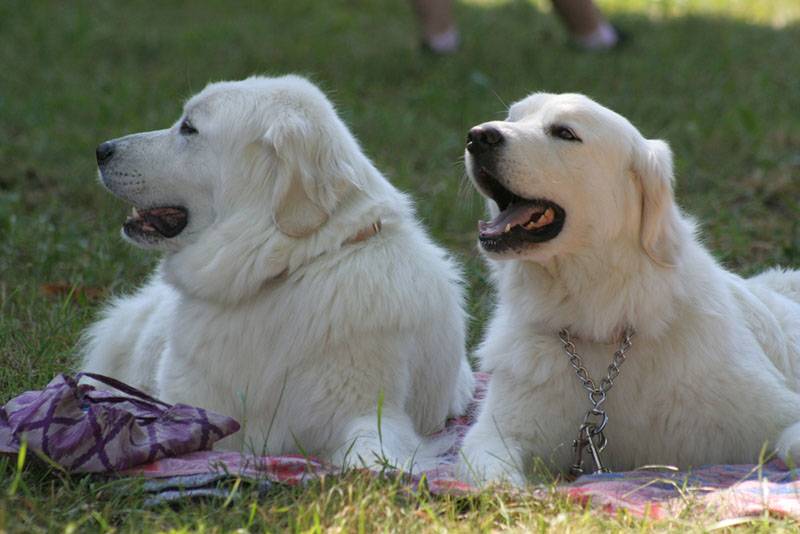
x=297, y=292
x=586, y=240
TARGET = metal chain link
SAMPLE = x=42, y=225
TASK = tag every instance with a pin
x=590, y=433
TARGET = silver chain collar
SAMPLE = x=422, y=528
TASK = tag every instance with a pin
x=590, y=433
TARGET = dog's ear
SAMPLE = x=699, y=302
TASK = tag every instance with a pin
x=294, y=212
x=311, y=174
x=652, y=166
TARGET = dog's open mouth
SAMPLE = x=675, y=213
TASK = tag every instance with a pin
x=156, y=222
x=521, y=221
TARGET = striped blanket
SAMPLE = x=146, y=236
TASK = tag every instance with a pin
x=725, y=490
x=124, y=431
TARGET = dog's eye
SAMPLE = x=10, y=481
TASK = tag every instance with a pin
x=187, y=128
x=562, y=132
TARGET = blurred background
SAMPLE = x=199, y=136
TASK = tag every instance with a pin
x=720, y=80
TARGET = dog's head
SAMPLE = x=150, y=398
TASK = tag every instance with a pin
x=239, y=189
x=564, y=173
x=261, y=149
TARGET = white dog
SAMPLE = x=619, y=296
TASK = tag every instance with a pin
x=586, y=243
x=297, y=294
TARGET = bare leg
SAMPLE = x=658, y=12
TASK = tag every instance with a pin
x=586, y=23
x=581, y=17
x=437, y=24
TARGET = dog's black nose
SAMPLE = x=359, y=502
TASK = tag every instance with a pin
x=104, y=152
x=483, y=138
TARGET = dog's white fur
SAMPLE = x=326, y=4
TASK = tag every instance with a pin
x=714, y=371
x=263, y=308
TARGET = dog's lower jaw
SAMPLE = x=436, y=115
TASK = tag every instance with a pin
x=158, y=244
x=541, y=254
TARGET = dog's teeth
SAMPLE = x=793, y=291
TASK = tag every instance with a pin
x=542, y=220
x=507, y=229
x=135, y=212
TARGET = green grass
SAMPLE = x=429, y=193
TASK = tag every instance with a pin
x=718, y=79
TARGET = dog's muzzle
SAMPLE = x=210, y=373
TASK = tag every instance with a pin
x=522, y=221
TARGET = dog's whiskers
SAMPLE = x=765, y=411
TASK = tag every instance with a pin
x=500, y=99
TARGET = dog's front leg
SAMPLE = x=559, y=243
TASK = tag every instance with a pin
x=520, y=422
x=490, y=455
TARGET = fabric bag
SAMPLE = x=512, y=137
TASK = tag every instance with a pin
x=90, y=430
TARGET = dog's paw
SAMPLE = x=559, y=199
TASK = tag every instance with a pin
x=788, y=446
x=480, y=466
x=359, y=455
x=364, y=452
x=484, y=471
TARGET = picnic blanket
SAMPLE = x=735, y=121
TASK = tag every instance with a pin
x=187, y=469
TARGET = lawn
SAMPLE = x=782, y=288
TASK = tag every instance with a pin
x=717, y=79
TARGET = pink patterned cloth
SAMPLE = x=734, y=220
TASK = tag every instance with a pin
x=726, y=490
x=294, y=469
x=179, y=467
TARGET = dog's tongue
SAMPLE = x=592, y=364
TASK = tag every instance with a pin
x=515, y=215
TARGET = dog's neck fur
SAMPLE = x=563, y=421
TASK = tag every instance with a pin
x=265, y=255
x=595, y=294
